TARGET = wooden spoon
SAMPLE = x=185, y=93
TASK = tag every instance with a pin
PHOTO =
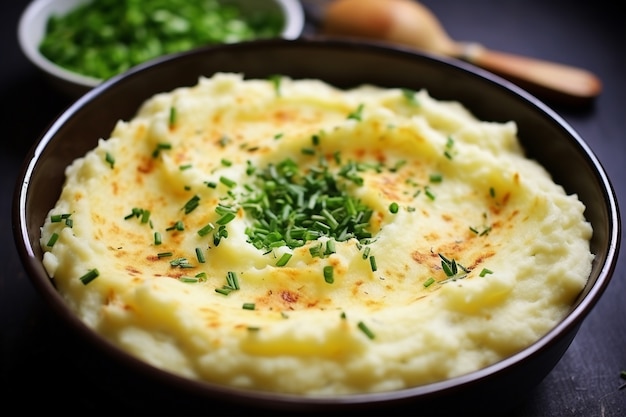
x=410, y=23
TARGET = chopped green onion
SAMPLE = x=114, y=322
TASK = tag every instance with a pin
x=357, y=114
x=329, y=273
x=227, y=182
x=224, y=290
x=172, y=118
x=485, y=271
x=393, y=208
x=226, y=218
x=429, y=193
x=89, y=276
x=160, y=147
x=373, y=263
x=206, y=230
x=145, y=216
x=248, y=306
x=164, y=254
x=179, y=226
x=192, y=204
x=363, y=327
x=231, y=280
x=200, y=255
x=436, y=177
x=53, y=239
x=157, y=238
x=109, y=159
x=57, y=218
x=284, y=259
x=429, y=282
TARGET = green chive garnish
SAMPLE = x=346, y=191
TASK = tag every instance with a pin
x=485, y=271
x=200, y=255
x=284, y=259
x=329, y=274
x=248, y=306
x=393, y=208
x=206, y=230
x=373, y=263
x=363, y=327
x=89, y=276
x=172, y=118
x=53, y=239
x=429, y=282
x=109, y=159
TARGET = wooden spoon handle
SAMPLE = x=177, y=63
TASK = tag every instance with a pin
x=549, y=80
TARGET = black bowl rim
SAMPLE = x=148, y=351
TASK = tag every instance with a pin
x=568, y=325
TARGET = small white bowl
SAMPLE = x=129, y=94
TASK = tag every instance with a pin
x=33, y=21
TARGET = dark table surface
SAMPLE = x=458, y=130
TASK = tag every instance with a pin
x=46, y=370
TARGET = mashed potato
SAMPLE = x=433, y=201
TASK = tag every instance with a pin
x=288, y=236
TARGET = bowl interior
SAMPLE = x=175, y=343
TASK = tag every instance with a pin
x=544, y=135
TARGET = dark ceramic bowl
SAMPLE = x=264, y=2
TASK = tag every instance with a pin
x=546, y=137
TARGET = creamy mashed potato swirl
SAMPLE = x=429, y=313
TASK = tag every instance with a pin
x=470, y=251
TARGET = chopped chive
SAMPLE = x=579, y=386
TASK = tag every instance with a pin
x=89, y=276
x=435, y=177
x=224, y=290
x=57, y=218
x=164, y=254
x=188, y=279
x=145, y=216
x=226, y=162
x=429, y=193
x=179, y=226
x=284, y=259
x=109, y=159
x=206, y=230
x=373, y=263
x=192, y=204
x=363, y=327
x=227, y=182
x=330, y=247
x=429, y=282
x=485, y=271
x=157, y=238
x=357, y=114
x=492, y=192
x=53, y=239
x=231, y=280
x=226, y=218
x=160, y=147
x=248, y=306
x=200, y=255
x=393, y=208
x=172, y=118
x=329, y=273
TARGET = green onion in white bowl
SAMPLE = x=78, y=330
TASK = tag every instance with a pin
x=80, y=43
